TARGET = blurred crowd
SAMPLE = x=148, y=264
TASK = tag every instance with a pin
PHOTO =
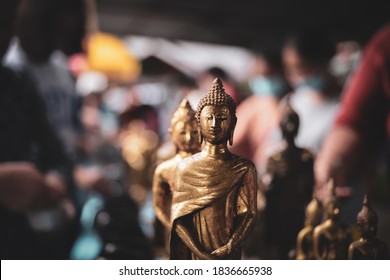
x=83, y=125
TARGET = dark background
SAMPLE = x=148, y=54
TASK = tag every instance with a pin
x=246, y=23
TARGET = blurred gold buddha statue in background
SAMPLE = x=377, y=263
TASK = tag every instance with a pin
x=332, y=237
x=184, y=135
x=368, y=247
x=288, y=183
x=314, y=214
x=214, y=198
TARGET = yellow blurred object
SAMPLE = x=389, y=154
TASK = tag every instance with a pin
x=107, y=54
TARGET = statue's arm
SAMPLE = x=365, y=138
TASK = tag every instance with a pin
x=189, y=239
x=351, y=252
x=246, y=214
x=301, y=254
x=247, y=207
x=317, y=236
x=158, y=194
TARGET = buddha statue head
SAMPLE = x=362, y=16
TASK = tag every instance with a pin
x=184, y=129
x=289, y=123
x=367, y=220
x=314, y=212
x=216, y=115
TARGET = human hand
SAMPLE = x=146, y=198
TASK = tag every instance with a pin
x=340, y=159
x=56, y=189
x=21, y=185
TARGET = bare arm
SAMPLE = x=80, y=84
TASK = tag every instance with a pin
x=338, y=158
x=22, y=186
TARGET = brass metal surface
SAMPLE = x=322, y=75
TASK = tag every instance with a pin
x=314, y=213
x=332, y=237
x=288, y=182
x=368, y=247
x=214, y=198
x=184, y=134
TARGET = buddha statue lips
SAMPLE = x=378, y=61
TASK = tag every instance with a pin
x=214, y=198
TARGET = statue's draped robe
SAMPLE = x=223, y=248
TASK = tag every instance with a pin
x=369, y=250
x=163, y=182
x=209, y=195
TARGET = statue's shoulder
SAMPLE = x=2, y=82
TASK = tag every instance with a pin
x=244, y=162
x=307, y=155
x=277, y=156
x=188, y=162
x=167, y=165
x=356, y=244
x=305, y=232
x=319, y=229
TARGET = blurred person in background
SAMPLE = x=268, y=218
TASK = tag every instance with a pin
x=361, y=130
x=256, y=114
x=36, y=211
x=344, y=63
x=48, y=31
x=315, y=95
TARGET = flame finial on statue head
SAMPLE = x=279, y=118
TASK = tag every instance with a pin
x=314, y=211
x=333, y=205
x=367, y=214
x=183, y=113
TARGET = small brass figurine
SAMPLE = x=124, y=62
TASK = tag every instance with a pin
x=331, y=238
x=184, y=134
x=314, y=213
x=289, y=184
x=214, y=198
x=368, y=247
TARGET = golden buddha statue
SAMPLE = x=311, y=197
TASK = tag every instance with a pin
x=214, y=198
x=184, y=135
x=331, y=238
x=288, y=183
x=368, y=247
x=314, y=213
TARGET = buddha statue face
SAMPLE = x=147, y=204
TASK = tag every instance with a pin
x=184, y=129
x=216, y=115
x=313, y=212
x=367, y=220
x=289, y=123
x=215, y=124
x=368, y=229
x=185, y=136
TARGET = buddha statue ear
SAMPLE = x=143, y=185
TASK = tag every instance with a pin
x=232, y=131
x=200, y=136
